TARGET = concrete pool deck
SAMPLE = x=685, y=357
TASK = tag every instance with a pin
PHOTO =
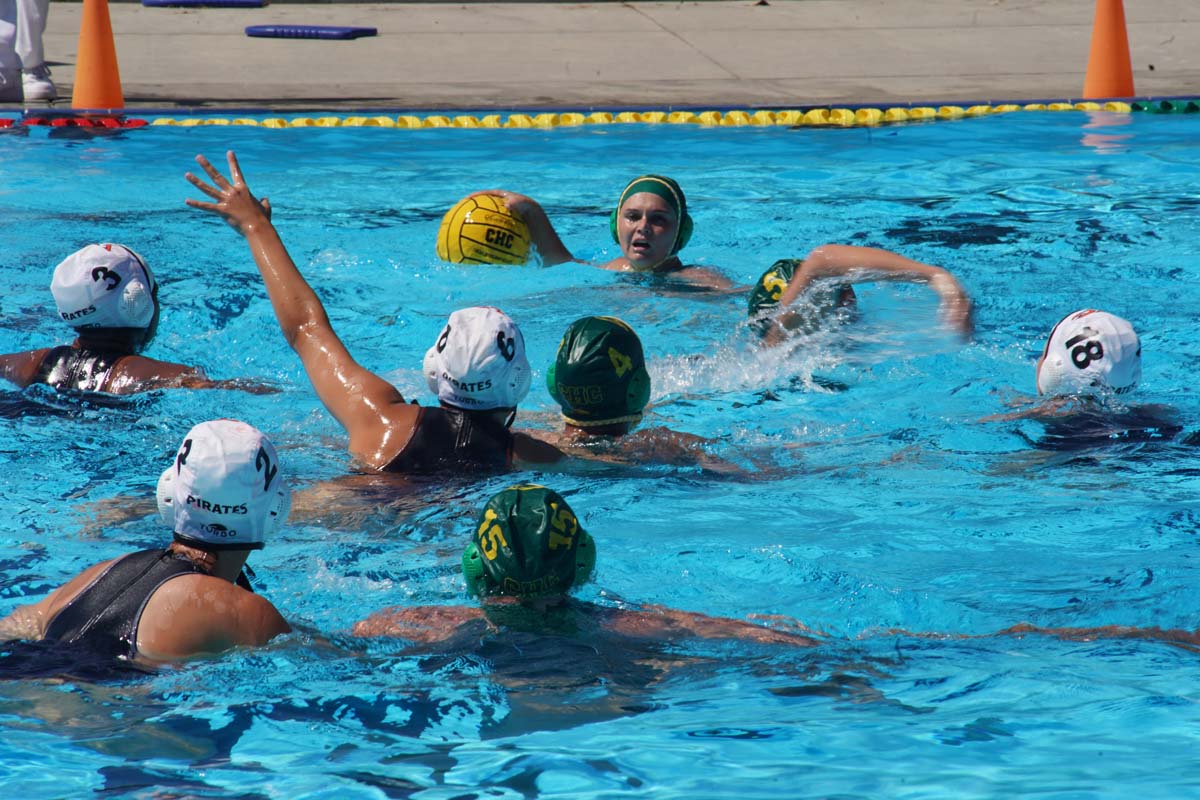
x=741, y=53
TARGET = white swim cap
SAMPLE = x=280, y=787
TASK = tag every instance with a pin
x=104, y=286
x=1088, y=352
x=479, y=363
x=224, y=491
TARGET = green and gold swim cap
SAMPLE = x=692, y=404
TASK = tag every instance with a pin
x=528, y=542
x=668, y=190
x=767, y=291
x=599, y=375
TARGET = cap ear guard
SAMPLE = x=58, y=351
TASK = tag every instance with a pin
x=764, y=297
x=552, y=382
x=166, y=497
x=138, y=303
x=638, y=392
x=141, y=302
x=585, y=559
x=472, y=567
x=683, y=233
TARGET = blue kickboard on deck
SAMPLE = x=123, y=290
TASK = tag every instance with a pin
x=309, y=31
x=205, y=3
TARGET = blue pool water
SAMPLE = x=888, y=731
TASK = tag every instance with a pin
x=886, y=504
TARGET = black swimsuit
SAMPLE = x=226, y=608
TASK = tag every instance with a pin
x=104, y=617
x=447, y=438
x=85, y=370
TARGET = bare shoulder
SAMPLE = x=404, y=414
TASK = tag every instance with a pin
x=195, y=615
x=418, y=623
x=20, y=368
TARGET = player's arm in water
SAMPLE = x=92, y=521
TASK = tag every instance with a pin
x=133, y=373
x=542, y=235
x=1179, y=637
x=433, y=624
x=670, y=624
x=641, y=448
x=371, y=409
x=850, y=264
x=141, y=374
x=1176, y=636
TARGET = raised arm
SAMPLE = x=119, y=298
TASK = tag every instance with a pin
x=541, y=232
x=855, y=264
x=368, y=407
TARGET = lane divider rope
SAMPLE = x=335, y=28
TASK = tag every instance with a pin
x=814, y=117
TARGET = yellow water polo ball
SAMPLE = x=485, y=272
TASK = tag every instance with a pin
x=480, y=230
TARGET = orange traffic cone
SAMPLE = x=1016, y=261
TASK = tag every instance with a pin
x=97, y=79
x=1109, y=73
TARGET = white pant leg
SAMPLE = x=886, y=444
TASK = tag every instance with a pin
x=31, y=24
x=8, y=35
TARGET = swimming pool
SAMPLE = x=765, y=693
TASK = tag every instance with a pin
x=891, y=504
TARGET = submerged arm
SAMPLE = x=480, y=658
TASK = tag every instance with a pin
x=1175, y=636
x=671, y=624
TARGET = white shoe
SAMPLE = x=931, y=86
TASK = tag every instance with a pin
x=10, y=87
x=37, y=84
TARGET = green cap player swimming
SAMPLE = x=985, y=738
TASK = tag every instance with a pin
x=802, y=294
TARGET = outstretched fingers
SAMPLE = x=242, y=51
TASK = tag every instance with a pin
x=213, y=173
x=202, y=186
x=235, y=171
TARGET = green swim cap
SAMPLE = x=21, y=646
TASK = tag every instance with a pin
x=599, y=375
x=528, y=542
x=769, y=289
x=668, y=190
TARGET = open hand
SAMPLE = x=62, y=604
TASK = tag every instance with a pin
x=234, y=202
